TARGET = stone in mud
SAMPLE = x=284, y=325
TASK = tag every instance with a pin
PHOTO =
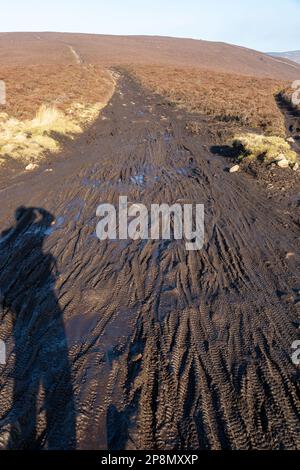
x=137, y=358
x=296, y=166
x=31, y=167
x=291, y=140
x=283, y=163
x=280, y=157
x=234, y=169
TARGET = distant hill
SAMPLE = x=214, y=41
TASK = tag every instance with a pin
x=63, y=48
x=291, y=55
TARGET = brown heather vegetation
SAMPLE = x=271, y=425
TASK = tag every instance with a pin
x=240, y=101
x=56, y=84
x=46, y=102
x=27, y=88
x=105, y=50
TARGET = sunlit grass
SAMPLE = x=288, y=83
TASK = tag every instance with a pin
x=269, y=148
x=29, y=140
x=48, y=107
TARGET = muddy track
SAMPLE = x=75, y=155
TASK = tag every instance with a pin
x=164, y=348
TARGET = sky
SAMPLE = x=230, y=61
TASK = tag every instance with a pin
x=265, y=25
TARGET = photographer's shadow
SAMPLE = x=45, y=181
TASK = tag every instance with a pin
x=43, y=411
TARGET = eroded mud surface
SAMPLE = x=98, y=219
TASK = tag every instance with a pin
x=144, y=345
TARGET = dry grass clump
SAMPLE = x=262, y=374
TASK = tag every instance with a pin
x=269, y=149
x=60, y=106
x=29, y=139
x=241, y=101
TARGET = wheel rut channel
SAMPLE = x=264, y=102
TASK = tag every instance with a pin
x=143, y=344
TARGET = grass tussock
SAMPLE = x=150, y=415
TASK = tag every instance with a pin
x=45, y=108
x=239, y=101
x=29, y=140
x=267, y=148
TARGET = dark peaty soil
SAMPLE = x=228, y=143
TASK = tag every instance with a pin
x=144, y=345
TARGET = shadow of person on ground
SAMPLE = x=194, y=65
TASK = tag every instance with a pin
x=43, y=410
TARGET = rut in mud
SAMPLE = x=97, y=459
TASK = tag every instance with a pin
x=144, y=345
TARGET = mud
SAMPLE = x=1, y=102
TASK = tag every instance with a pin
x=144, y=345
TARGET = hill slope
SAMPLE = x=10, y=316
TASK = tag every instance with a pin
x=40, y=48
x=290, y=55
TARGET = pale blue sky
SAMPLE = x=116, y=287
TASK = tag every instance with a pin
x=267, y=25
